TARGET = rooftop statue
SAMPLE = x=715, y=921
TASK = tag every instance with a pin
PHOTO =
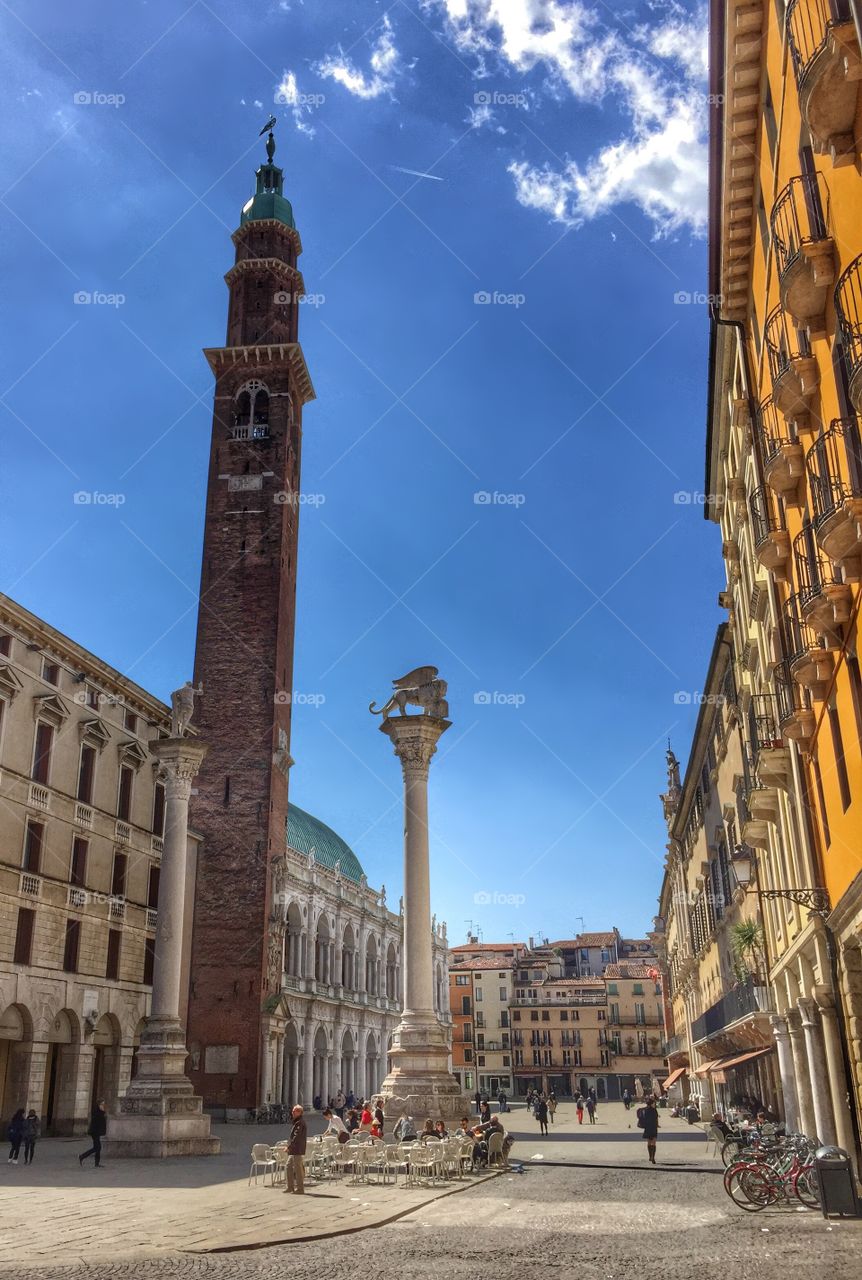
x=419, y=688
x=183, y=708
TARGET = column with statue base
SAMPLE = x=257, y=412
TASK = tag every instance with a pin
x=160, y=1114
x=420, y=1083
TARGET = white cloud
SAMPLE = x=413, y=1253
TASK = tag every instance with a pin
x=287, y=94
x=384, y=63
x=654, y=75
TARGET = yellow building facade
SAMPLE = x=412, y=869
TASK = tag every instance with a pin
x=784, y=481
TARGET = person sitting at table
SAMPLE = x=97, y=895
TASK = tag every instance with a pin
x=718, y=1123
x=440, y=1129
x=352, y=1120
x=480, y=1147
x=334, y=1124
x=366, y=1119
x=428, y=1131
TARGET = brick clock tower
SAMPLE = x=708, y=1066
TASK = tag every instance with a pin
x=244, y=654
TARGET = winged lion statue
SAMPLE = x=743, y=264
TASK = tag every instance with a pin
x=419, y=688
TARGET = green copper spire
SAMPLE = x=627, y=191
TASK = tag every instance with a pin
x=268, y=200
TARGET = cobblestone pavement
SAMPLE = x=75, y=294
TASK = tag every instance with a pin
x=585, y=1205
x=593, y=1224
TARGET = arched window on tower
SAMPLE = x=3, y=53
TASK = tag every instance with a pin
x=251, y=412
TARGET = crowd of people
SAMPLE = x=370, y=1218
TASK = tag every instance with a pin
x=346, y=1115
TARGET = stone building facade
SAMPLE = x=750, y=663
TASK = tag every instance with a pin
x=340, y=953
x=81, y=814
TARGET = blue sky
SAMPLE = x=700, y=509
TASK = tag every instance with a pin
x=566, y=153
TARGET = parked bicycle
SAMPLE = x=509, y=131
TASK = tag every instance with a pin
x=778, y=1170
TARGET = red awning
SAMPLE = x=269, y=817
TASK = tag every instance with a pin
x=673, y=1077
x=744, y=1057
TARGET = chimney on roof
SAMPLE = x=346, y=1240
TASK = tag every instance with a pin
x=530, y=943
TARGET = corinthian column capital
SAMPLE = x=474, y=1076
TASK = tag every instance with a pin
x=414, y=739
x=180, y=760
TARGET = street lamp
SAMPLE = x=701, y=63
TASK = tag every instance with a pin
x=744, y=863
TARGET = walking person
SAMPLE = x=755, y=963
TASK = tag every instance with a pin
x=477, y=1098
x=295, y=1172
x=579, y=1105
x=542, y=1115
x=98, y=1128
x=552, y=1106
x=32, y=1131
x=15, y=1134
x=627, y=1100
x=591, y=1108
x=501, y=1099
x=648, y=1122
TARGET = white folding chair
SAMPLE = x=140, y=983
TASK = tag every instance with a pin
x=261, y=1158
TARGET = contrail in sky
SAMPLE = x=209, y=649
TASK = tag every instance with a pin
x=416, y=174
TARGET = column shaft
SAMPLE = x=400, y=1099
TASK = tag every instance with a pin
x=820, y=1095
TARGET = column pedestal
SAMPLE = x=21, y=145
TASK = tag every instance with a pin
x=161, y=1115
x=420, y=1083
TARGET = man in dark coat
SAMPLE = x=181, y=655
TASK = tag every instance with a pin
x=98, y=1128
x=296, y=1153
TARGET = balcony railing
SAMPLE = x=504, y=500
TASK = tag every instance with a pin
x=766, y=516
x=794, y=372
x=676, y=1044
x=848, y=307
x=771, y=430
x=800, y=217
x=825, y=599
x=741, y=1002
x=808, y=25
x=795, y=713
x=834, y=467
x=825, y=55
x=763, y=729
x=804, y=249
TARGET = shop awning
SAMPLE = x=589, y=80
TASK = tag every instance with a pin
x=744, y=1057
x=673, y=1077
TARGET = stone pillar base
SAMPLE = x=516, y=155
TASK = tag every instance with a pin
x=160, y=1114
x=420, y=1083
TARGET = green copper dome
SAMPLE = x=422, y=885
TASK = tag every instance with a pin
x=306, y=834
x=267, y=204
x=268, y=200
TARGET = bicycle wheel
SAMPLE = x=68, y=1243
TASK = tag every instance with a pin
x=806, y=1187
x=750, y=1189
x=731, y=1151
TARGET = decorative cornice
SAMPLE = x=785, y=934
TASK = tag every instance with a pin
x=262, y=356
x=741, y=121
x=276, y=265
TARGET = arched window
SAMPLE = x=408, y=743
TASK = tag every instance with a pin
x=251, y=413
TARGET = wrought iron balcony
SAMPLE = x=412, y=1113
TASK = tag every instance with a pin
x=825, y=56
x=834, y=467
x=848, y=308
x=676, y=1044
x=771, y=539
x=795, y=713
x=811, y=662
x=804, y=248
x=794, y=371
x=744, y=1001
x=783, y=455
x=768, y=752
x=824, y=599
